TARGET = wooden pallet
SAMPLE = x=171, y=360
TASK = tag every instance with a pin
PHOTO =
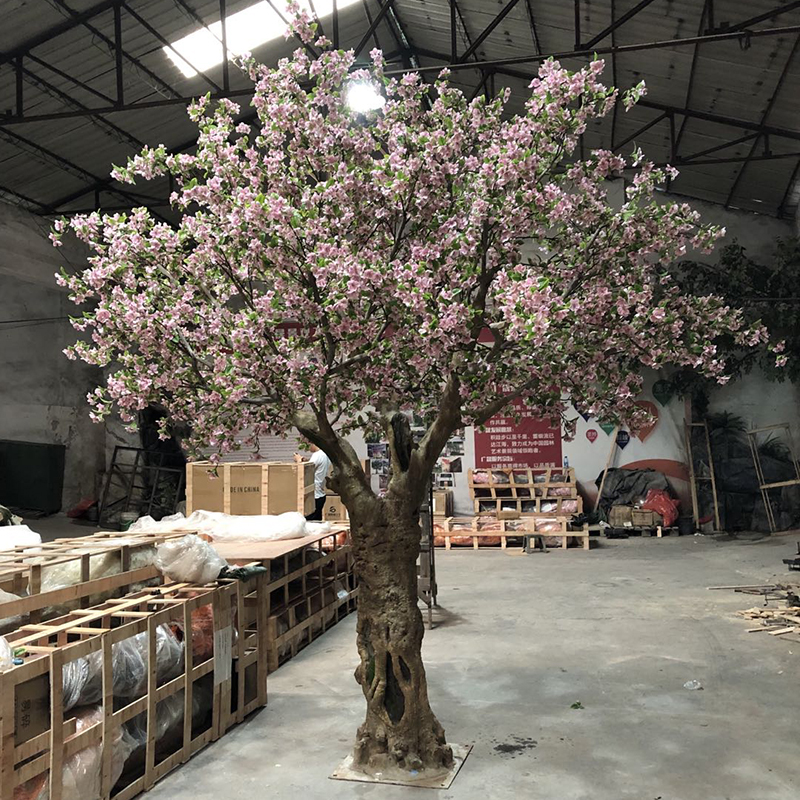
x=658, y=531
x=39, y=739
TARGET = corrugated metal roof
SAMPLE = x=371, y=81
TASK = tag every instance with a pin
x=732, y=79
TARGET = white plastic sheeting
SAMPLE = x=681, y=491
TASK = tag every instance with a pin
x=229, y=527
x=189, y=559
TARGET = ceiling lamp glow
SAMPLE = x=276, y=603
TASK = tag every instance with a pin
x=363, y=96
x=245, y=31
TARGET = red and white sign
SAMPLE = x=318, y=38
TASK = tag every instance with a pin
x=591, y=435
x=531, y=442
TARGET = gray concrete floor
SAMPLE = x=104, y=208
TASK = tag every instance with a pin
x=619, y=629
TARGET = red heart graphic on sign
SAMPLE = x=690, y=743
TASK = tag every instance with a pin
x=591, y=434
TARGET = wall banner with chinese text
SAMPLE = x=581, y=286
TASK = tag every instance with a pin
x=531, y=442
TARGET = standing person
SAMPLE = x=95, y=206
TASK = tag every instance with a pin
x=322, y=466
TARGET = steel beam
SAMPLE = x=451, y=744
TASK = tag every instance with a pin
x=692, y=113
x=118, y=53
x=7, y=122
x=47, y=156
x=387, y=4
x=223, y=19
x=692, y=72
x=19, y=91
x=453, y=33
x=532, y=22
x=103, y=38
x=765, y=115
x=741, y=36
x=718, y=147
x=166, y=43
x=82, y=110
x=48, y=66
x=487, y=31
x=615, y=23
x=43, y=209
x=706, y=162
x=640, y=131
x=745, y=24
x=335, y=23
x=77, y=18
x=368, y=15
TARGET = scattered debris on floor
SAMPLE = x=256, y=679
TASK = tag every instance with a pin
x=693, y=686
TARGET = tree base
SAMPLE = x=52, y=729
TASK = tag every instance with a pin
x=423, y=779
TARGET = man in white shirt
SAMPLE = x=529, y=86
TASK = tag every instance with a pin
x=322, y=466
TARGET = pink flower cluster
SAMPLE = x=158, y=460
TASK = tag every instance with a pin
x=335, y=261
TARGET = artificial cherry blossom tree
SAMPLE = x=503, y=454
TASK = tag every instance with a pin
x=332, y=270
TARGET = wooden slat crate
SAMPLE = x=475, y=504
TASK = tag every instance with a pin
x=39, y=740
x=522, y=490
x=301, y=573
x=477, y=532
x=539, y=506
x=86, y=570
x=265, y=487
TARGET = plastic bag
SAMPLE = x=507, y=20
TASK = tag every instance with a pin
x=12, y=536
x=189, y=559
x=10, y=623
x=101, y=565
x=228, y=527
x=83, y=677
x=80, y=776
x=6, y=654
x=659, y=501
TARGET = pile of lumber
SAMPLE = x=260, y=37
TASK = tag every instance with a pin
x=775, y=621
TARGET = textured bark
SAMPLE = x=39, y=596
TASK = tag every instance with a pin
x=400, y=730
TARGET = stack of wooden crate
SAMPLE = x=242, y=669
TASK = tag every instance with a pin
x=44, y=742
x=249, y=629
x=525, y=492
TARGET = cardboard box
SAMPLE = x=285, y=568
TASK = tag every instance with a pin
x=250, y=488
x=334, y=510
x=443, y=503
x=620, y=516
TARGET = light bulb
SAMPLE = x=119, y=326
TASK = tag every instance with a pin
x=363, y=96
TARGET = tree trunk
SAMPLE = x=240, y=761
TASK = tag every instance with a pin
x=400, y=731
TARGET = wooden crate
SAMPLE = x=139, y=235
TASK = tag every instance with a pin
x=249, y=488
x=515, y=489
x=538, y=506
x=300, y=573
x=443, y=503
x=127, y=557
x=480, y=532
x=644, y=518
x=40, y=740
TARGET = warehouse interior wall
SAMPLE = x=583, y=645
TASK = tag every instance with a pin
x=42, y=393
